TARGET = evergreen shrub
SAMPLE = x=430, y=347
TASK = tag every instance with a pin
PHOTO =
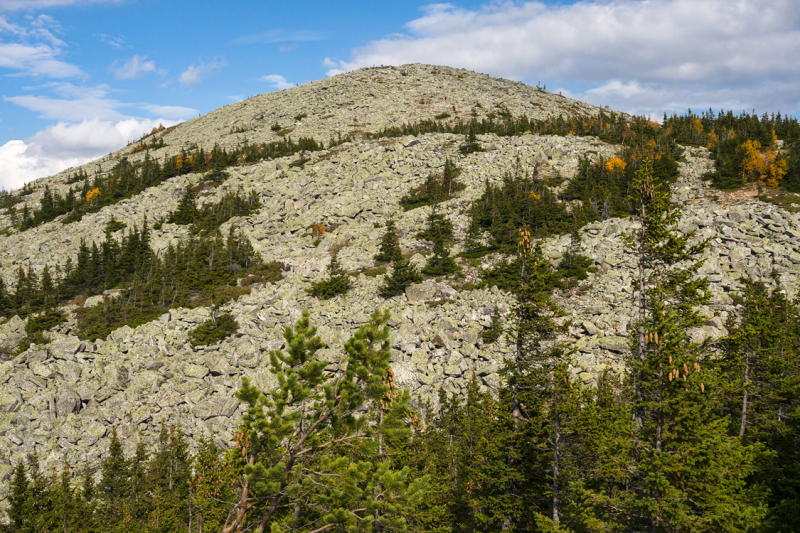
x=338, y=282
x=214, y=330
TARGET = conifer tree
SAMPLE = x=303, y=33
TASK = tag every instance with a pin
x=403, y=274
x=112, y=490
x=212, y=486
x=66, y=513
x=684, y=473
x=310, y=454
x=540, y=397
x=338, y=282
x=440, y=232
x=19, y=501
x=390, y=245
x=440, y=263
x=762, y=370
x=187, y=211
x=168, y=475
x=5, y=304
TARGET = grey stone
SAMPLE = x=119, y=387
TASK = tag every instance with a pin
x=68, y=402
x=614, y=344
x=421, y=292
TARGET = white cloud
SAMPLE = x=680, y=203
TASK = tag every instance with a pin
x=633, y=55
x=278, y=82
x=133, y=68
x=278, y=35
x=27, y=5
x=67, y=145
x=116, y=42
x=193, y=74
x=36, y=51
x=171, y=111
x=36, y=60
x=77, y=103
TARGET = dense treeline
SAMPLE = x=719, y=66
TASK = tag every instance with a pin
x=743, y=146
x=127, y=179
x=199, y=272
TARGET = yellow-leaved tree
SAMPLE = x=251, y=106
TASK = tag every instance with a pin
x=767, y=167
x=615, y=164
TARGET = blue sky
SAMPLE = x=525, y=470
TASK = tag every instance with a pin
x=81, y=77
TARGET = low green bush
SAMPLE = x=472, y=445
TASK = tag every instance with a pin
x=338, y=282
x=214, y=330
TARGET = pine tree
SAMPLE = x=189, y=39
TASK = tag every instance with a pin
x=310, y=455
x=390, y=245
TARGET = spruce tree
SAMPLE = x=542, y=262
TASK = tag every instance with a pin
x=212, y=486
x=390, y=245
x=18, y=500
x=338, y=282
x=540, y=396
x=440, y=232
x=187, y=211
x=168, y=474
x=690, y=473
x=440, y=263
x=113, y=489
x=403, y=275
x=762, y=372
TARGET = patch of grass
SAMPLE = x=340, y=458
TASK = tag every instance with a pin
x=442, y=116
x=371, y=272
x=301, y=116
x=785, y=200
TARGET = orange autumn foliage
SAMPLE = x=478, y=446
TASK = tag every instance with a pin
x=92, y=194
x=615, y=163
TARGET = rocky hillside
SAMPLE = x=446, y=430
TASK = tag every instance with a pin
x=61, y=398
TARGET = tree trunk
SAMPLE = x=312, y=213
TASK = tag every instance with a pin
x=556, y=460
x=659, y=415
x=640, y=301
x=745, y=395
